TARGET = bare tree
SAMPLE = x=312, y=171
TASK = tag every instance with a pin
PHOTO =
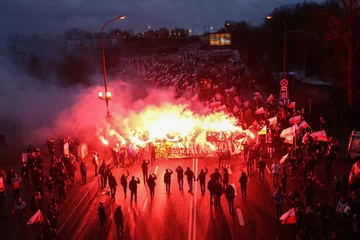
x=344, y=31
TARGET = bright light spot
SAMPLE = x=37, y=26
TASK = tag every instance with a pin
x=108, y=94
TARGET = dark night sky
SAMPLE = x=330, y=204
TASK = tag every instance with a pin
x=36, y=16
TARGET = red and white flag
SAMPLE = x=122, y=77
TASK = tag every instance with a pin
x=260, y=111
x=287, y=132
x=282, y=160
x=272, y=121
x=304, y=125
x=257, y=94
x=288, y=217
x=37, y=217
x=270, y=98
x=295, y=119
x=305, y=139
x=230, y=90
x=215, y=104
x=319, y=136
x=195, y=98
x=289, y=140
x=291, y=105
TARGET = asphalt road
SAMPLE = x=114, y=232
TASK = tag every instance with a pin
x=182, y=215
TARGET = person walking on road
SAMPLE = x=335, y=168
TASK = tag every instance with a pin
x=95, y=162
x=19, y=211
x=119, y=221
x=133, y=189
x=151, y=184
x=180, y=177
x=102, y=172
x=167, y=179
x=275, y=167
x=243, y=184
x=83, y=170
x=112, y=185
x=102, y=215
x=261, y=166
x=202, y=179
x=211, y=188
x=230, y=196
x=279, y=200
x=225, y=178
x=123, y=181
x=218, y=190
x=190, y=178
x=284, y=177
x=145, y=168
x=217, y=175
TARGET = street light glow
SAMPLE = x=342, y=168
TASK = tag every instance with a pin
x=108, y=94
x=121, y=17
x=100, y=95
x=190, y=30
x=149, y=26
x=269, y=17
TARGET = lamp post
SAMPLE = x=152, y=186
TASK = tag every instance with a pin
x=285, y=33
x=107, y=94
x=148, y=27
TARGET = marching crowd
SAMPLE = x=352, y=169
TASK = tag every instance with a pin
x=273, y=126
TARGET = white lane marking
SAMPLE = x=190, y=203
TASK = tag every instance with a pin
x=233, y=184
x=267, y=168
x=146, y=200
x=195, y=200
x=157, y=167
x=240, y=216
x=229, y=169
x=191, y=211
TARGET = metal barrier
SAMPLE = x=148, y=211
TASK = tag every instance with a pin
x=71, y=221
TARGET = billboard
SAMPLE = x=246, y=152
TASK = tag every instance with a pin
x=220, y=39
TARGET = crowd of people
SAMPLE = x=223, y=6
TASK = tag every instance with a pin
x=61, y=174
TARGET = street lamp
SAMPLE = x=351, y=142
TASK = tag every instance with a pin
x=148, y=27
x=285, y=33
x=108, y=94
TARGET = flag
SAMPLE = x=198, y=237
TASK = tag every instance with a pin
x=230, y=90
x=37, y=217
x=295, y=127
x=260, y=111
x=304, y=125
x=289, y=140
x=282, y=160
x=305, y=139
x=195, y=98
x=288, y=217
x=221, y=108
x=272, y=121
x=215, y=104
x=262, y=131
x=295, y=119
x=288, y=132
x=291, y=105
x=270, y=98
x=257, y=94
x=319, y=136
x=355, y=170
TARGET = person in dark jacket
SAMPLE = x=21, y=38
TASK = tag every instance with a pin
x=123, y=181
x=225, y=178
x=230, y=196
x=102, y=172
x=25, y=175
x=243, y=184
x=202, y=179
x=218, y=190
x=145, y=168
x=261, y=166
x=119, y=221
x=102, y=215
x=151, y=184
x=180, y=177
x=83, y=170
x=167, y=179
x=133, y=188
x=284, y=177
x=190, y=178
x=112, y=185
x=211, y=188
